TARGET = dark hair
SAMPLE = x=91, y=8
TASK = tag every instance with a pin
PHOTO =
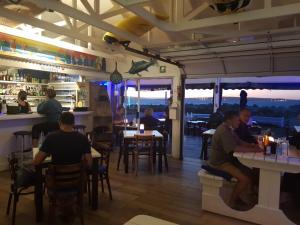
x=51, y=93
x=67, y=118
x=230, y=115
x=22, y=95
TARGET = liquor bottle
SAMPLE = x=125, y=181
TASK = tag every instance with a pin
x=4, y=108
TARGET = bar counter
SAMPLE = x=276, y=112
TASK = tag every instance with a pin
x=12, y=123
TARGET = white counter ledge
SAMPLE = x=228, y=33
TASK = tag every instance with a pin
x=34, y=115
x=12, y=123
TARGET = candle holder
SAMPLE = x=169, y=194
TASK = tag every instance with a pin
x=142, y=128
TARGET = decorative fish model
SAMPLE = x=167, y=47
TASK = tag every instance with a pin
x=137, y=67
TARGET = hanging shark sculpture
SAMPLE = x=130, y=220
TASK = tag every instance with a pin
x=137, y=67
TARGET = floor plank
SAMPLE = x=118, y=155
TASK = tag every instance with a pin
x=173, y=196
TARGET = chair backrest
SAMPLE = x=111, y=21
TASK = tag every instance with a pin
x=144, y=141
x=61, y=177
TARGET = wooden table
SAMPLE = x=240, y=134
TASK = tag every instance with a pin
x=271, y=167
x=38, y=197
x=128, y=136
x=193, y=124
x=205, y=136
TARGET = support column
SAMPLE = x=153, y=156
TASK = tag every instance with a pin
x=138, y=113
x=182, y=115
x=217, y=94
x=175, y=115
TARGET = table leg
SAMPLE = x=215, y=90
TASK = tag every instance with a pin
x=126, y=155
x=203, y=155
x=38, y=194
x=269, y=188
x=95, y=174
x=160, y=152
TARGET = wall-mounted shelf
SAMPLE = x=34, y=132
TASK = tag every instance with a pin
x=21, y=82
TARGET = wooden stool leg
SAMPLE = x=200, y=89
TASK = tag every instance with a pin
x=102, y=185
x=109, y=188
x=15, y=201
x=9, y=203
x=119, y=159
x=52, y=208
x=136, y=162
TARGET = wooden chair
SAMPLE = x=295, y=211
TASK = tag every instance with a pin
x=18, y=186
x=143, y=146
x=65, y=188
x=130, y=147
x=103, y=144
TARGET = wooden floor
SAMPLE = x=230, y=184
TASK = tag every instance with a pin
x=173, y=196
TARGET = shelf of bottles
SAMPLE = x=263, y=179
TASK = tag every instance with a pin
x=66, y=88
x=11, y=82
x=35, y=83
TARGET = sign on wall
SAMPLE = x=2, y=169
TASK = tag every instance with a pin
x=37, y=51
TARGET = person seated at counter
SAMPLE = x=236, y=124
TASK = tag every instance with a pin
x=243, y=131
x=119, y=116
x=52, y=109
x=150, y=122
x=224, y=143
x=24, y=106
x=65, y=146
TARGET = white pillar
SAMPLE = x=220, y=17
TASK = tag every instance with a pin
x=175, y=116
x=217, y=94
x=138, y=101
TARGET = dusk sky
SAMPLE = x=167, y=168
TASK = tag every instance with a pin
x=282, y=94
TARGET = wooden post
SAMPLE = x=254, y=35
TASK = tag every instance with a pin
x=182, y=115
x=217, y=94
x=138, y=103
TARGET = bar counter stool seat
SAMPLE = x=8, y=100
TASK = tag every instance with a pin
x=23, y=134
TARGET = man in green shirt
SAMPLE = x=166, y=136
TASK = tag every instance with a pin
x=224, y=143
x=52, y=109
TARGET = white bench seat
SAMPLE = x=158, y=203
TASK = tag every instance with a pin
x=147, y=220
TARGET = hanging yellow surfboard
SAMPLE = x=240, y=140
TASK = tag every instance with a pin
x=136, y=25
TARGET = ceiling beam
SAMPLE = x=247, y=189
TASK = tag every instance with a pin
x=94, y=20
x=88, y=7
x=197, y=11
x=135, y=2
x=114, y=11
x=251, y=15
x=50, y=27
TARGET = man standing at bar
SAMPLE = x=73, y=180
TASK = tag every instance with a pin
x=224, y=143
x=52, y=109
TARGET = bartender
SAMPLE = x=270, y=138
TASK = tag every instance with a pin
x=24, y=106
x=52, y=109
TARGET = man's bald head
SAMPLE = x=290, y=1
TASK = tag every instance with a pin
x=245, y=115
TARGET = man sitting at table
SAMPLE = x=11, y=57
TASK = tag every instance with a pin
x=65, y=146
x=224, y=143
x=148, y=120
x=243, y=131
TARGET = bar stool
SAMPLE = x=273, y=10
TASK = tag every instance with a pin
x=80, y=128
x=23, y=134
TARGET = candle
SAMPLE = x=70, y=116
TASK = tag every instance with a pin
x=142, y=127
